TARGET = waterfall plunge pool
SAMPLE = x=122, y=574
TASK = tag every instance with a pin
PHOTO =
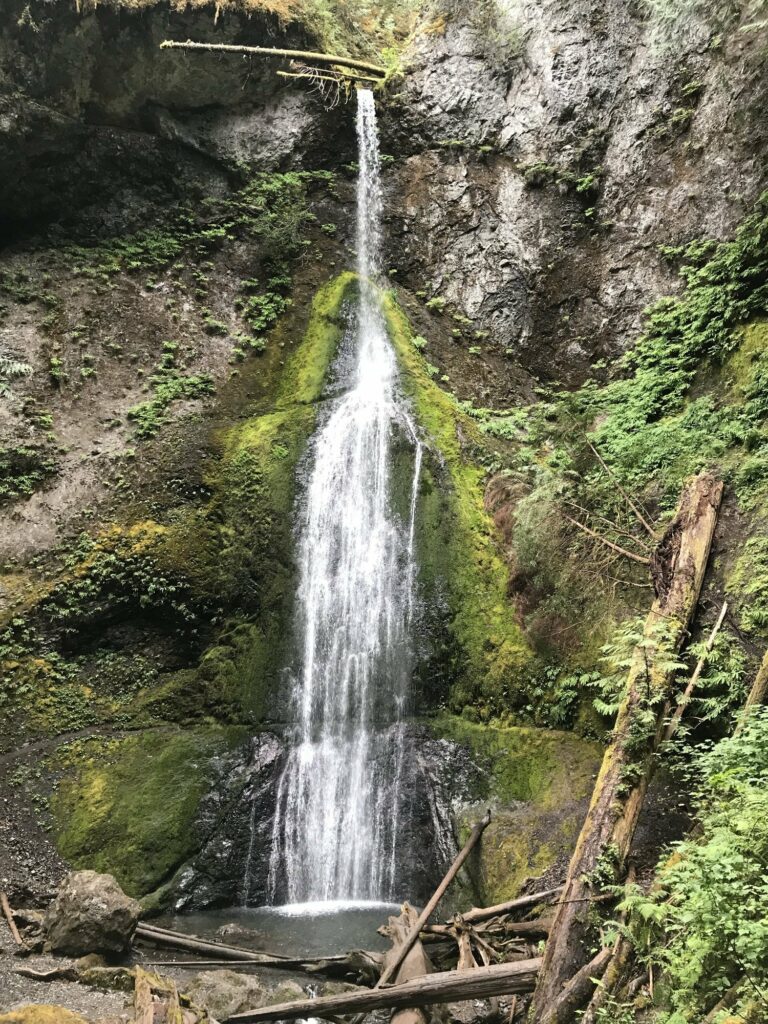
x=296, y=929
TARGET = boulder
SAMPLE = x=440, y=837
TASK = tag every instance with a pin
x=224, y=993
x=91, y=914
x=42, y=1014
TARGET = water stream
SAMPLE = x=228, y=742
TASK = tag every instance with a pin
x=339, y=798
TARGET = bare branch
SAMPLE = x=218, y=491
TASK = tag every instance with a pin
x=608, y=543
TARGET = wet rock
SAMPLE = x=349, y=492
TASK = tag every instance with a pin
x=234, y=826
x=91, y=914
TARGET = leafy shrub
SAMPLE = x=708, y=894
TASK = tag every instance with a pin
x=704, y=922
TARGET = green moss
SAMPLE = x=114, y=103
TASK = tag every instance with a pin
x=458, y=555
x=546, y=767
x=126, y=806
x=551, y=773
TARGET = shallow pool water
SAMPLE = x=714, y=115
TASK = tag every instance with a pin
x=295, y=930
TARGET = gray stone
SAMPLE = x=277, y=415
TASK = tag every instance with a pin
x=91, y=914
x=224, y=993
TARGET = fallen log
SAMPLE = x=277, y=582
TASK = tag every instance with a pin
x=756, y=695
x=177, y=940
x=143, y=1003
x=678, y=565
x=528, y=929
x=520, y=903
x=477, y=830
x=416, y=963
x=578, y=989
x=445, y=987
x=9, y=918
x=272, y=51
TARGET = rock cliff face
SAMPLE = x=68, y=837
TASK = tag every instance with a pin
x=170, y=301
x=101, y=127
x=540, y=170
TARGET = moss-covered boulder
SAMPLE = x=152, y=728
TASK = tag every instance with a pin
x=537, y=783
x=42, y=1013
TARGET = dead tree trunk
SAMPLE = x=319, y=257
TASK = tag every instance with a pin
x=756, y=695
x=678, y=566
x=415, y=964
x=445, y=987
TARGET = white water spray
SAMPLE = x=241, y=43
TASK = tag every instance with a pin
x=339, y=799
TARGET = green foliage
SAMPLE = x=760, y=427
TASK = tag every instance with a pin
x=23, y=469
x=119, y=569
x=168, y=386
x=704, y=921
x=10, y=370
x=436, y=304
x=749, y=581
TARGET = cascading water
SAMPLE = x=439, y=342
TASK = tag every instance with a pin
x=339, y=799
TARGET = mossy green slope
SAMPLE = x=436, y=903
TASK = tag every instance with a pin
x=129, y=808
x=457, y=551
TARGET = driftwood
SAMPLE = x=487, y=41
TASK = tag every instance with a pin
x=520, y=903
x=221, y=951
x=526, y=929
x=416, y=963
x=678, y=566
x=9, y=918
x=445, y=987
x=271, y=51
x=52, y=974
x=391, y=970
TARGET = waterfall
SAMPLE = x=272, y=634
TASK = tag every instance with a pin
x=339, y=801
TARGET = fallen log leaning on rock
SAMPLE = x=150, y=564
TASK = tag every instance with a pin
x=678, y=566
x=9, y=918
x=390, y=971
x=445, y=987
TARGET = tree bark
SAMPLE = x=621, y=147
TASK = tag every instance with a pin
x=756, y=695
x=446, y=987
x=142, y=998
x=677, y=567
x=416, y=963
x=578, y=989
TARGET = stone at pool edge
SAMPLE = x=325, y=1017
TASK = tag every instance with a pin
x=90, y=914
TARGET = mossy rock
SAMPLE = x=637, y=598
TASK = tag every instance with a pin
x=537, y=783
x=126, y=806
x=545, y=767
x=460, y=563
x=42, y=1013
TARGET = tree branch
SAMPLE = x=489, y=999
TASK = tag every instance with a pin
x=271, y=51
x=608, y=543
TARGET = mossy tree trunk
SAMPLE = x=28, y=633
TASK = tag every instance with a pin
x=678, y=568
